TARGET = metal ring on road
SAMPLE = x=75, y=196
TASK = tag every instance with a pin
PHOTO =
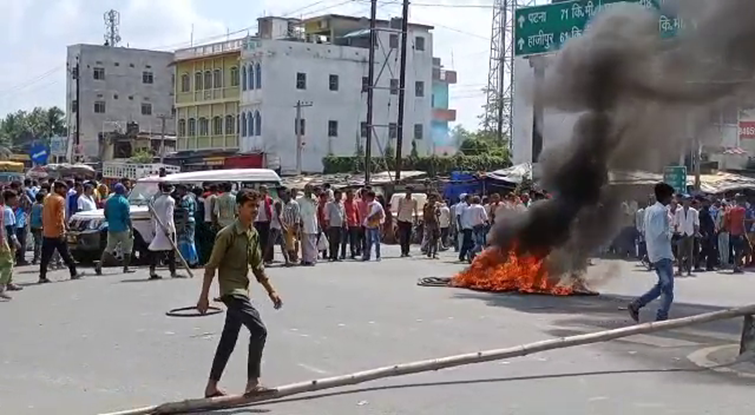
x=192, y=312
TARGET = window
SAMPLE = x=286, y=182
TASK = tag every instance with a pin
x=417, y=131
x=74, y=105
x=204, y=126
x=148, y=77
x=131, y=65
x=146, y=108
x=234, y=76
x=393, y=41
x=198, y=81
x=217, y=126
x=230, y=124
x=392, y=130
x=364, y=130
x=242, y=127
x=258, y=76
x=99, y=107
x=250, y=124
x=208, y=80
x=332, y=128
x=419, y=89
x=257, y=123
x=365, y=84
x=130, y=97
x=250, y=74
x=117, y=64
x=394, y=86
x=192, y=127
x=115, y=96
x=301, y=80
x=243, y=78
x=333, y=82
x=419, y=43
x=217, y=78
x=99, y=73
x=302, y=126
x=182, y=127
x=185, y=83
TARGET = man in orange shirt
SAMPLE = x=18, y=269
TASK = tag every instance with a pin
x=735, y=223
x=54, y=229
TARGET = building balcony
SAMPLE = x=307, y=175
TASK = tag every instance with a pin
x=232, y=93
x=212, y=142
x=204, y=51
x=442, y=75
x=442, y=114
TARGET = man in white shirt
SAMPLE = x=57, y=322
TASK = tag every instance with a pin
x=658, y=239
x=444, y=221
x=463, y=216
x=687, y=226
x=406, y=216
x=86, y=201
x=478, y=220
x=310, y=228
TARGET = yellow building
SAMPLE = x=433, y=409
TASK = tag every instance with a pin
x=207, y=96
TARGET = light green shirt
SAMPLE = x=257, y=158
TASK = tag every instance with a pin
x=235, y=251
x=225, y=209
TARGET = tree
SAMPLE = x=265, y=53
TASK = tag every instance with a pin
x=480, y=142
x=141, y=157
x=21, y=128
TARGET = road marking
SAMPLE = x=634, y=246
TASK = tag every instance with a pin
x=314, y=369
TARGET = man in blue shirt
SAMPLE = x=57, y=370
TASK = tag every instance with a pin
x=117, y=215
x=658, y=239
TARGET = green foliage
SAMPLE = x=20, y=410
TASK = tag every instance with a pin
x=433, y=165
x=475, y=143
x=141, y=157
x=21, y=128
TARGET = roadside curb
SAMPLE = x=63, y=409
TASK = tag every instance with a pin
x=711, y=358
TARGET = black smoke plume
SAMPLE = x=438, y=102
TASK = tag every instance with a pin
x=641, y=99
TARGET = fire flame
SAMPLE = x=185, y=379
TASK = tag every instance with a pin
x=493, y=271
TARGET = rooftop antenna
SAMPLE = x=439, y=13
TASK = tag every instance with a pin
x=112, y=28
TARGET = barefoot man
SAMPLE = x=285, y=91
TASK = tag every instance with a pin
x=237, y=248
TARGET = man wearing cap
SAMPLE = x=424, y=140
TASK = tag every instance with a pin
x=119, y=231
x=687, y=226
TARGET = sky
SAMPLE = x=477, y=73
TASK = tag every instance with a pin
x=36, y=33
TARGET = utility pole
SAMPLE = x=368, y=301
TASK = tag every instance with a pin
x=77, y=134
x=300, y=132
x=370, y=91
x=163, y=118
x=402, y=87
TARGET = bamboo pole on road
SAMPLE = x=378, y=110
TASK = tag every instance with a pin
x=436, y=364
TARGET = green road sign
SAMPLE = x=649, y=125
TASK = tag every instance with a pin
x=676, y=177
x=542, y=29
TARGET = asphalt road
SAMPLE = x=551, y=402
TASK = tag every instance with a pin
x=104, y=344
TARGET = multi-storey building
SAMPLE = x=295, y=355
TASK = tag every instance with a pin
x=117, y=86
x=443, y=143
x=324, y=65
x=207, y=98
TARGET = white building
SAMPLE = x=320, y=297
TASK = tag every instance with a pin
x=326, y=65
x=117, y=86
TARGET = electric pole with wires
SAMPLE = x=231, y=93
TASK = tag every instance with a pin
x=402, y=87
x=370, y=92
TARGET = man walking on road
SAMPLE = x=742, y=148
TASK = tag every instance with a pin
x=658, y=239
x=164, y=208
x=310, y=228
x=119, y=228
x=54, y=229
x=237, y=248
x=406, y=217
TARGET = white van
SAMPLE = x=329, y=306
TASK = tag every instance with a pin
x=88, y=230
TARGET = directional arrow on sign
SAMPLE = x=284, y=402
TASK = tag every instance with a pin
x=521, y=21
x=520, y=43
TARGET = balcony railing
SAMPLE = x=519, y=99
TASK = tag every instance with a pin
x=211, y=49
x=231, y=92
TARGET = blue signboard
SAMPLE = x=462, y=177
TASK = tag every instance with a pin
x=39, y=154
